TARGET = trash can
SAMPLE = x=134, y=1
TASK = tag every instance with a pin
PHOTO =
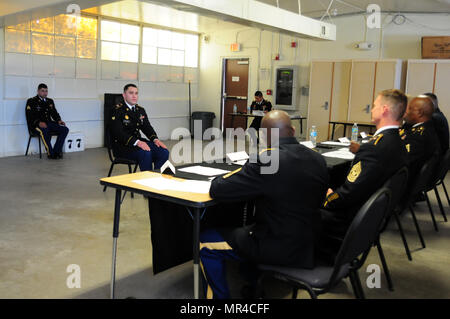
x=206, y=120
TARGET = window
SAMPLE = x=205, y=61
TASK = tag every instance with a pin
x=120, y=41
x=169, y=48
x=63, y=35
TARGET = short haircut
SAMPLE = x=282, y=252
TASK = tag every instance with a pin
x=126, y=87
x=397, y=102
x=42, y=86
x=258, y=93
x=433, y=98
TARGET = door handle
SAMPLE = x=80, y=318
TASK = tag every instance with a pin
x=325, y=106
x=367, y=108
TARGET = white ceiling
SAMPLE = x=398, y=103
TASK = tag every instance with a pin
x=317, y=8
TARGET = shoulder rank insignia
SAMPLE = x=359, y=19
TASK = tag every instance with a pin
x=354, y=172
x=28, y=107
x=377, y=138
x=231, y=173
x=266, y=150
x=418, y=130
x=118, y=105
x=331, y=198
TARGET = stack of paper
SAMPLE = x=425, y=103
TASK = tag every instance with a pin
x=239, y=158
x=341, y=153
x=308, y=144
x=335, y=143
x=163, y=183
x=205, y=171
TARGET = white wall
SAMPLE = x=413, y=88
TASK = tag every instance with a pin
x=392, y=41
x=260, y=47
x=78, y=88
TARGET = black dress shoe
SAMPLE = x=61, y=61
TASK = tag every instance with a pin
x=60, y=155
x=54, y=156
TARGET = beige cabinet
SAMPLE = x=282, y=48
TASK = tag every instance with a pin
x=328, y=96
x=344, y=90
x=430, y=76
x=368, y=78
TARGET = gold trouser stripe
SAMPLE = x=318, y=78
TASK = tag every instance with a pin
x=209, y=292
x=128, y=140
x=221, y=245
x=43, y=140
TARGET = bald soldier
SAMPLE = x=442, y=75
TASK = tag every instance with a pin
x=419, y=134
x=286, y=204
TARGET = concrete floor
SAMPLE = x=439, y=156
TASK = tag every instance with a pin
x=54, y=214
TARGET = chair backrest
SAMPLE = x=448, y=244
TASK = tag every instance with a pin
x=364, y=229
x=426, y=176
x=397, y=184
x=108, y=144
x=31, y=131
x=443, y=166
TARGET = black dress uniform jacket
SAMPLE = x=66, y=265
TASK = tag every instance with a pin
x=125, y=127
x=375, y=162
x=441, y=126
x=38, y=110
x=286, y=204
x=263, y=106
x=421, y=142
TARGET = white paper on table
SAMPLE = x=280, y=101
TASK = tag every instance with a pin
x=162, y=183
x=258, y=112
x=169, y=165
x=205, y=171
x=344, y=140
x=237, y=156
x=364, y=141
x=335, y=143
x=308, y=144
x=363, y=134
x=242, y=163
x=340, y=154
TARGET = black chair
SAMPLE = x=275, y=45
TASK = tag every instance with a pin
x=397, y=185
x=355, y=248
x=118, y=160
x=441, y=172
x=33, y=133
x=424, y=182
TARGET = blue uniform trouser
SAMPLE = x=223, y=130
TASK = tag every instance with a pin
x=214, y=250
x=145, y=159
x=46, y=136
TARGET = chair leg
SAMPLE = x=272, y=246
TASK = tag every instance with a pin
x=40, y=150
x=402, y=234
x=446, y=194
x=385, y=266
x=440, y=203
x=356, y=284
x=419, y=232
x=294, y=293
x=109, y=174
x=28, y=146
x=135, y=168
x=431, y=212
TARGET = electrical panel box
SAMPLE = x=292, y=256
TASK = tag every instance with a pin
x=286, y=87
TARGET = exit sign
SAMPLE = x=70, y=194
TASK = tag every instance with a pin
x=235, y=47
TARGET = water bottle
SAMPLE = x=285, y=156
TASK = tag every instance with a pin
x=249, y=110
x=355, y=132
x=313, y=135
x=234, y=108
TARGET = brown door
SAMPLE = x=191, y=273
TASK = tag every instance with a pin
x=234, y=91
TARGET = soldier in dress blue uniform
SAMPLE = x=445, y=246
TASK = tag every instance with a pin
x=128, y=119
x=286, y=206
x=43, y=117
x=374, y=163
x=419, y=134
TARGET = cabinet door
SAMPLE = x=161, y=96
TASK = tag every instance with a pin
x=319, y=98
x=420, y=77
x=361, y=91
x=388, y=75
x=340, y=94
x=441, y=88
